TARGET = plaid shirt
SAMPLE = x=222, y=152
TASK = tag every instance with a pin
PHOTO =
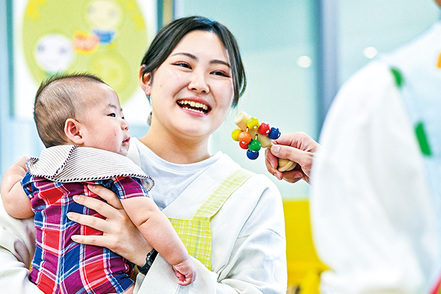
x=61, y=265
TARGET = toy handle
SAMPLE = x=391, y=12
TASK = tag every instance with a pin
x=284, y=164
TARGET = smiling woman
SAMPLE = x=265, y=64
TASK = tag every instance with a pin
x=196, y=72
x=230, y=220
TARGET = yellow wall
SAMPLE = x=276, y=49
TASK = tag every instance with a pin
x=304, y=266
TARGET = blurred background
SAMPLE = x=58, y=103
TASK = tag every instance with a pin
x=297, y=54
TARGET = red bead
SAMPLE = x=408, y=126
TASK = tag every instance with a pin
x=264, y=129
x=243, y=145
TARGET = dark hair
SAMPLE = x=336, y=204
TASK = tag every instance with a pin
x=57, y=99
x=170, y=35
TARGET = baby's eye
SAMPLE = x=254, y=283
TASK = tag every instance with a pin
x=112, y=114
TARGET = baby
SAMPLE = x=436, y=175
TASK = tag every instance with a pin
x=81, y=123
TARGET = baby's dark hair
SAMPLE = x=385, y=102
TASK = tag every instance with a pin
x=58, y=98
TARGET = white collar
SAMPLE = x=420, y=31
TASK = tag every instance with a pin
x=70, y=163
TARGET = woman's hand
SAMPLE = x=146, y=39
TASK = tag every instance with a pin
x=119, y=234
x=297, y=147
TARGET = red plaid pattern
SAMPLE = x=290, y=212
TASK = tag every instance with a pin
x=61, y=265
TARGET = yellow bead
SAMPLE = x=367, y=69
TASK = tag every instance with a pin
x=235, y=134
x=253, y=123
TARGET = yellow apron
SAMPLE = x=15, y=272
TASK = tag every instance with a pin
x=195, y=233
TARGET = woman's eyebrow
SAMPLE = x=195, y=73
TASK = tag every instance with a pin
x=194, y=57
x=218, y=61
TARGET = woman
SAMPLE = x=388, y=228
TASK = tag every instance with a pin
x=192, y=74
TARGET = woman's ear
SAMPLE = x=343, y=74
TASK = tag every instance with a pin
x=145, y=80
x=72, y=131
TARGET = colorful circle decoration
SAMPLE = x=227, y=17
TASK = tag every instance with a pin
x=104, y=37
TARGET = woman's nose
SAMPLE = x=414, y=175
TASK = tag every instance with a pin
x=199, y=83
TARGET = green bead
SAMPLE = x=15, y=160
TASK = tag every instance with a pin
x=254, y=145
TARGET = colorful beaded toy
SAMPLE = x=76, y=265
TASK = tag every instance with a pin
x=253, y=136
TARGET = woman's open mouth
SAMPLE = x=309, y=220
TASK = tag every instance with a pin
x=194, y=106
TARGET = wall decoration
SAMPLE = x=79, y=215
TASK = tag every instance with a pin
x=104, y=37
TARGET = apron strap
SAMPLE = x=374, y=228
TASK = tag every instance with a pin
x=195, y=233
x=222, y=193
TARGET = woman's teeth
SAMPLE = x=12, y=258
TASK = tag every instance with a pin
x=192, y=105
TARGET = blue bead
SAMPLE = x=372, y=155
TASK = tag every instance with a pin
x=252, y=155
x=274, y=133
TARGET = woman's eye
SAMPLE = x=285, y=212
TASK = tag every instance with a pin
x=183, y=64
x=112, y=114
x=221, y=73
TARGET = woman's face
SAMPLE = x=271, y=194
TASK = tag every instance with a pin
x=192, y=90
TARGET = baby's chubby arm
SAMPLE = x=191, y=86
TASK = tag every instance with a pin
x=158, y=231
x=15, y=201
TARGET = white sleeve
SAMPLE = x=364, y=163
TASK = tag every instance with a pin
x=17, y=243
x=372, y=215
x=250, y=236
x=257, y=263
x=161, y=279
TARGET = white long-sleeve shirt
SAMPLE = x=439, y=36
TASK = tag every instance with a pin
x=373, y=215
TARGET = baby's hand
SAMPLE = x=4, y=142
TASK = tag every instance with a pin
x=185, y=271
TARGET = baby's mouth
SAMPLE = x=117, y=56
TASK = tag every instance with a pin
x=194, y=106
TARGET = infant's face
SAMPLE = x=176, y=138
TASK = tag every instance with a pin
x=102, y=123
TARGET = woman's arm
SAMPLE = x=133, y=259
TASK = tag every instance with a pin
x=17, y=243
x=257, y=263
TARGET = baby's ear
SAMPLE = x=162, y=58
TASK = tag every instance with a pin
x=72, y=131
